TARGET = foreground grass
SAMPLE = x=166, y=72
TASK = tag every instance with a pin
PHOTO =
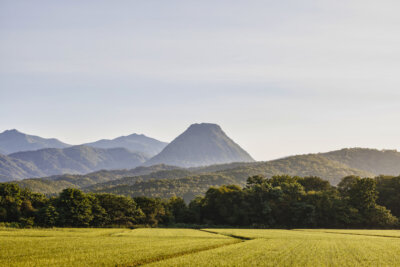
x=101, y=247
x=297, y=248
x=208, y=247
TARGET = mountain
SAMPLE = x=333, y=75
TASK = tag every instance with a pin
x=11, y=168
x=386, y=162
x=134, y=143
x=200, y=145
x=12, y=141
x=73, y=160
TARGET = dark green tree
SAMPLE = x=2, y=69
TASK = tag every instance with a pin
x=74, y=208
x=117, y=210
x=154, y=210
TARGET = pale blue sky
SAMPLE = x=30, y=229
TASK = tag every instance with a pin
x=280, y=77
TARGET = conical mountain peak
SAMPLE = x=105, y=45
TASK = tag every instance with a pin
x=201, y=144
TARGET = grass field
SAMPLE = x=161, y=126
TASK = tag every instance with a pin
x=207, y=247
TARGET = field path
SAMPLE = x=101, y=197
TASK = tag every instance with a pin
x=351, y=232
x=236, y=239
x=225, y=234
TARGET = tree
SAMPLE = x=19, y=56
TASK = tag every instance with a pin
x=47, y=216
x=178, y=209
x=314, y=183
x=196, y=210
x=388, y=188
x=346, y=184
x=154, y=210
x=118, y=210
x=363, y=194
x=224, y=205
x=10, y=202
x=379, y=216
x=74, y=208
x=258, y=197
x=256, y=180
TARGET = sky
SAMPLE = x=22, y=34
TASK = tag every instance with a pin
x=280, y=77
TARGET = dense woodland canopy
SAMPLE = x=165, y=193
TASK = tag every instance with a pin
x=279, y=202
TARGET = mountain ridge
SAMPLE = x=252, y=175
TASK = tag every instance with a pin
x=12, y=141
x=133, y=142
x=73, y=160
x=379, y=162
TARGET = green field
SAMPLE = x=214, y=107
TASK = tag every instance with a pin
x=207, y=247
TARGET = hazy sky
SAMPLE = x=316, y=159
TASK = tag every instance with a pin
x=280, y=77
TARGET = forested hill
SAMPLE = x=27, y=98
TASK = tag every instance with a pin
x=198, y=182
x=166, y=181
x=370, y=160
x=187, y=187
x=56, y=183
x=302, y=165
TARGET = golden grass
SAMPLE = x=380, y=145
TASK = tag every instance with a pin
x=208, y=247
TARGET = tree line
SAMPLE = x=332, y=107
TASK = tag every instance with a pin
x=278, y=202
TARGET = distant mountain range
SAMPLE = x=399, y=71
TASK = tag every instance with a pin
x=73, y=160
x=12, y=141
x=201, y=157
x=133, y=142
x=200, y=145
x=25, y=156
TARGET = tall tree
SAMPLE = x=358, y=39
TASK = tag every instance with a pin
x=74, y=208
